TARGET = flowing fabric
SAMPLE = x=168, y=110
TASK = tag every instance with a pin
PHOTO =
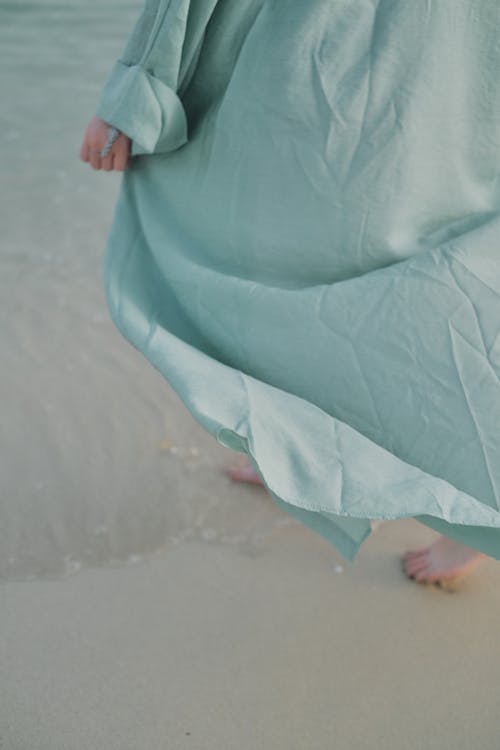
x=307, y=246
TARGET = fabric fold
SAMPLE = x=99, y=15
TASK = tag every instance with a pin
x=144, y=108
x=142, y=95
x=315, y=272
x=321, y=470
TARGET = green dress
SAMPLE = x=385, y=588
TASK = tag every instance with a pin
x=307, y=246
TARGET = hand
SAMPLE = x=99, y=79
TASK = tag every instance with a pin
x=94, y=140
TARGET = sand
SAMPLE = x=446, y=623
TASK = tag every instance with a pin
x=147, y=601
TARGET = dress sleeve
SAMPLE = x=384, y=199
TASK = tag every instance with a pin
x=141, y=96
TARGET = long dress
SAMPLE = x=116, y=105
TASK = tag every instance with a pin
x=307, y=246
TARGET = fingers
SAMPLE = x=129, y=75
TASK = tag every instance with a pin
x=84, y=151
x=118, y=157
x=95, y=132
x=114, y=159
x=107, y=162
x=95, y=159
x=121, y=151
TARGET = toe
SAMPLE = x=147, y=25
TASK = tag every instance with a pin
x=414, y=553
x=413, y=557
x=412, y=570
x=416, y=568
x=424, y=575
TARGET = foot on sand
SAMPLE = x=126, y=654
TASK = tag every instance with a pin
x=443, y=560
x=244, y=473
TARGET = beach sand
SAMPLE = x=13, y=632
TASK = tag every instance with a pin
x=147, y=601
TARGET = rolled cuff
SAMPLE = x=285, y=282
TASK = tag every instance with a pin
x=144, y=108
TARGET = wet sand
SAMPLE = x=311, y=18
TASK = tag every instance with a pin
x=147, y=601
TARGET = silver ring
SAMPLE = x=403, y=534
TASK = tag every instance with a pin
x=113, y=134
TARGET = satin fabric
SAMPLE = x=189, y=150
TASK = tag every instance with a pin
x=307, y=246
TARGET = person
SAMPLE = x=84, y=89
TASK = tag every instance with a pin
x=305, y=246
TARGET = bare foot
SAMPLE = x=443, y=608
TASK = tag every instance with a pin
x=443, y=560
x=244, y=473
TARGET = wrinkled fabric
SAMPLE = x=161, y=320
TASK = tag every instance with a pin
x=307, y=246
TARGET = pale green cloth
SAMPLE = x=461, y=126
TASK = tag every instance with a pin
x=307, y=246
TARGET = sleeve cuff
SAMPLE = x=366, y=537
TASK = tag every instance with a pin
x=144, y=108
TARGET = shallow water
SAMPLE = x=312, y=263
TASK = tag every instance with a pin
x=101, y=464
